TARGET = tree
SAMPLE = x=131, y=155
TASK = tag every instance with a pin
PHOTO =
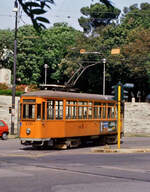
x=34, y=8
x=97, y=15
x=137, y=56
x=35, y=50
x=134, y=16
x=6, y=42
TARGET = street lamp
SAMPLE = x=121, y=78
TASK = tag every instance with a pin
x=104, y=62
x=14, y=69
x=45, y=67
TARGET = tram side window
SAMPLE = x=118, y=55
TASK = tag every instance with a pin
x=54, y=109
x=83, y=110
x=39, y=111
x=50, y=109
x=78, y=110
x=59, y=109
x=71, y=110
x=111, y=112
x=90, y=110
x=97, y=110
x=43, y=110
x=29, y=111
x=104, y=111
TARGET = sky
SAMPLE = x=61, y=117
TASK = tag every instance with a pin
x=63, y=11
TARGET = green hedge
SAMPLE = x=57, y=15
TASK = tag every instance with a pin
x=9, y=92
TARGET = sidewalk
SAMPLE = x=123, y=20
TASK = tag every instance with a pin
x=129, y=145
x=13, y=136
x=121, y=150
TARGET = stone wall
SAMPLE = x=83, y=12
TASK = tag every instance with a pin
x=136, y=121
x=5, y=76
x=5, y=103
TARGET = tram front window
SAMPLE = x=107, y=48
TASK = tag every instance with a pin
x=29, y=111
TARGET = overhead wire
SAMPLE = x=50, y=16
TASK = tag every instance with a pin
x=68, y=16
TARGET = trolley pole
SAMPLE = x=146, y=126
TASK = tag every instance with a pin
x=119, y=114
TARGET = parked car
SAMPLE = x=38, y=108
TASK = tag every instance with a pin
x=3, y=130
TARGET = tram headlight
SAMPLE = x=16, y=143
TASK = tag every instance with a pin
x=28, y=131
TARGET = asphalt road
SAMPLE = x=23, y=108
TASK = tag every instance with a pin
x=23, y=169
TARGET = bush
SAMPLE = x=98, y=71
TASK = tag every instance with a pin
x=9, y=92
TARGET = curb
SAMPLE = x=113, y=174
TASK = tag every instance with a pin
x=133, y=150
x=12, y=136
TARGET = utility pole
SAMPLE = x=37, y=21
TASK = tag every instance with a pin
x=14, y=70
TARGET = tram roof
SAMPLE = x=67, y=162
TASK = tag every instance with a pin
x=71, y=95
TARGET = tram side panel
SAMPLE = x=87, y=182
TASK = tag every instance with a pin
x=90, y=128
x=42, y=130
x=53, y=129
x=81, y=128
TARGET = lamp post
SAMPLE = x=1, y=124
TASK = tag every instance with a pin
x=14, y=69
x=45, y=67
x=83, y=51
x=104, y=62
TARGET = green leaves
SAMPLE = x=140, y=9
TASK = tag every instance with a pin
x=37, y=11
x=43, y=19
x=97, y=15
x=32, y=9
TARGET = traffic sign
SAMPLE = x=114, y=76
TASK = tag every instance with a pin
x=115, y=51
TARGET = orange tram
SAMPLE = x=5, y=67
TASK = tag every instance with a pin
x=51, y=118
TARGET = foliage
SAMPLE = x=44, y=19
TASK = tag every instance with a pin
x=34, y=9
x=34, y=50
x=137, y=57
x=9, y=92
x=6, y=41
x=97, y=16
x=56, y=42
x=59, y=47
x=134, y=17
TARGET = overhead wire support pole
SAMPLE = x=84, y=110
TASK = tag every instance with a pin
x=14, y=70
